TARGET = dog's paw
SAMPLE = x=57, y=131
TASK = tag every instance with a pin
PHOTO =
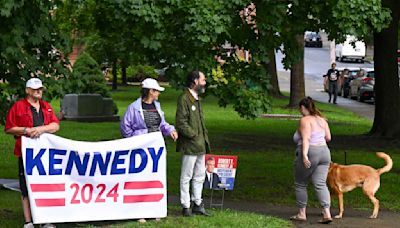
x=338, y=216
x=373, y=216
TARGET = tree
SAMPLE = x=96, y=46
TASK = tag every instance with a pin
x=387, y=93
x=31, y=45
x=119, y=33
x=356, y=17
x=270, y=66
x=184, y=36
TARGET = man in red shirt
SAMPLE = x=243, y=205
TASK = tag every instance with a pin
x=30, y=117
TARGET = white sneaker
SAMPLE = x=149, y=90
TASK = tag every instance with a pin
x=142, y=220
x=48, y=225
x=29, y=225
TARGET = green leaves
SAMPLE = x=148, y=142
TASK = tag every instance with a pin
x=242, y=84
x=357, y=17
x=30, y=46
x=7, y=7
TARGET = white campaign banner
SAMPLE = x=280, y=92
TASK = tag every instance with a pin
x=70, y=181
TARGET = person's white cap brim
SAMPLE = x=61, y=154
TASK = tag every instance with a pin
x=150, y=83
x=34, y=83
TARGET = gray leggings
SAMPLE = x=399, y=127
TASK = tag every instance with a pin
x=320, y=158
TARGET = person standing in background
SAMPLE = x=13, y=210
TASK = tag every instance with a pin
x=332, y=77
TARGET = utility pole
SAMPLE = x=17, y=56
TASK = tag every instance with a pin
x=332, y=49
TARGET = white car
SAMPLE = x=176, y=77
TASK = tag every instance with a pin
x=347, y=51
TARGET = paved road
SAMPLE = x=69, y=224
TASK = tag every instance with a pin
x=316, y=63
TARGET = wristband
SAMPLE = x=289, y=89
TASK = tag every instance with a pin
x=24, y=131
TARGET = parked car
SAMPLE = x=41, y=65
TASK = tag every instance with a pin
x=362, y=87
x=312, y=39
x=346, y=50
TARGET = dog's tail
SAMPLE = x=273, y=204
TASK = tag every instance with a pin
x=388, y=160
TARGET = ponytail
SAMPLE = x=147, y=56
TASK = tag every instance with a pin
x=309, y=104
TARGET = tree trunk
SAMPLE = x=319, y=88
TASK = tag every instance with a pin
x=123, y=72
x=115, y=76
x=387, y=93
x=297, y=88
x=270, y=67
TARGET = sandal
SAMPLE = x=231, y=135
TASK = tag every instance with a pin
x=325, y=220
x=297, y=218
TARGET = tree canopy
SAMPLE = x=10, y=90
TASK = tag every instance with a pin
x=179, y=36
x=31, y=45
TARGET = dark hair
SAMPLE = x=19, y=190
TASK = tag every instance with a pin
x=309, y=104
x=144, y=92
x=191, y=77
x=210, y=159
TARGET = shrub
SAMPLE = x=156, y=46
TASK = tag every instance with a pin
x=140, y=72
x=87, y=77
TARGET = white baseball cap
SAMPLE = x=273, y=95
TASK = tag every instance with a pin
x=34, y=83
x=150, y=83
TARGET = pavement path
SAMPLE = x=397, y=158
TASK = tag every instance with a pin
x=352, y=218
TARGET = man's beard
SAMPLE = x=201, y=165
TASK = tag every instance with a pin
x=200, y=89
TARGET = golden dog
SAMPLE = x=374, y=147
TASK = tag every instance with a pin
x=344, y=178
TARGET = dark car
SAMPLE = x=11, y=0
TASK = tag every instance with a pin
x=312, y=39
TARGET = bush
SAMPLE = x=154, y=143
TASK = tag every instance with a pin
x=87, y=77
x=140, y=72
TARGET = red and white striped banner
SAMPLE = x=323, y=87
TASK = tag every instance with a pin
x=70, y=181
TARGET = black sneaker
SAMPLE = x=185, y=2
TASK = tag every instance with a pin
x=186, y=212
x=199, y=209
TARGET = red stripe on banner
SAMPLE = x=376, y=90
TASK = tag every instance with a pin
x=50, y=202
x=143, y=184
x=143, y=198
x=47, y=187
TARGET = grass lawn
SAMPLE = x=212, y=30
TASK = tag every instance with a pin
x=264, y=147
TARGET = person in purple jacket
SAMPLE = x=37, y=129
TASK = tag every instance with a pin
x=145, y=115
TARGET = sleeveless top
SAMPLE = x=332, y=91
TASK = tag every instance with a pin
x=316, y=138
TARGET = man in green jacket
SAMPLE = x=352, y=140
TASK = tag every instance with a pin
x=193, y=143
